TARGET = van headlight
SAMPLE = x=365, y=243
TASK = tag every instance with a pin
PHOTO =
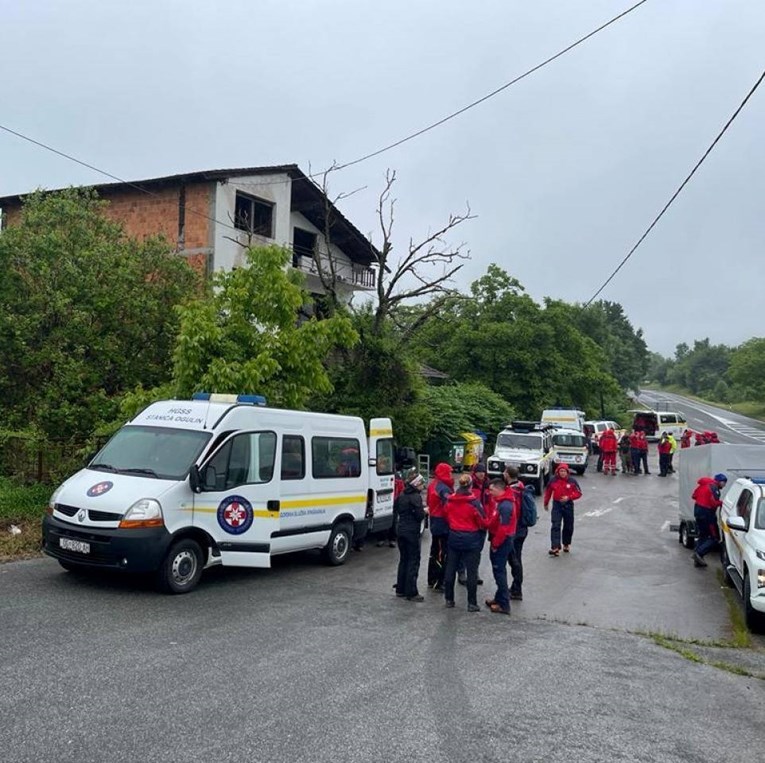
x=54, y=499
x=144, y=513
x=531, y=468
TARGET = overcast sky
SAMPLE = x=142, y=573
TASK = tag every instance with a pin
x=564, y=170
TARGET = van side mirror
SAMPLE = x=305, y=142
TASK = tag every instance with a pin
x=736, y=523
x=195, y=480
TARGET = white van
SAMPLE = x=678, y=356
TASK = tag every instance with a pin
x=564, y=418
x=653, y=423
x=224, y=480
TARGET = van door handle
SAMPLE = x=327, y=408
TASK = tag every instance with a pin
x=273, y=505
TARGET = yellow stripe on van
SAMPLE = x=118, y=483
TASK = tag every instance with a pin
x=264, y=513
x=308, y=502
x=381, y=433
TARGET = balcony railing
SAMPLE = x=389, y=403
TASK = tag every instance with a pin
x=360, y=277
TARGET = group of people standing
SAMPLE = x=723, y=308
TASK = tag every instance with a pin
x=632, y=448
x=462, y=515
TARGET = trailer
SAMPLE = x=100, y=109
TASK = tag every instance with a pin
x=705, y=461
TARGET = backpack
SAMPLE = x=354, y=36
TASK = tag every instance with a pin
x=528, y=516
x=528, y=509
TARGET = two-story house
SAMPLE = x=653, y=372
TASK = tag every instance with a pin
x=210, y=217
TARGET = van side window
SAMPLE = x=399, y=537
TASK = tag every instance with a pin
x=293, y=457
x=385, y=463
x=744, y=505
x=668, y=418
x=335, y=457
x=244, y=460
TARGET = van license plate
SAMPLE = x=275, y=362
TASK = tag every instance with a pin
x=74, y=545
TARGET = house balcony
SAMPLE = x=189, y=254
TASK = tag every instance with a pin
x=357, y=276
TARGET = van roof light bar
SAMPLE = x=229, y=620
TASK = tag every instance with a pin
x=214, y=397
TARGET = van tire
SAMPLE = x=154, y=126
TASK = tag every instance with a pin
x=338, y=549
x=755, y=620
x=181, y=568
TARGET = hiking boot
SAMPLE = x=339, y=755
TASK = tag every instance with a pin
x=516, y=596
x=566, y=548
x=473, y=608
x=449, y=604
x=490, y=603
x=497, y=610
x=400, y=595
x=698, y=561
x=417, y=598
x=554, y=552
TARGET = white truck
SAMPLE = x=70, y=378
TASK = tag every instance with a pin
x=528, y=446
x=222, y=480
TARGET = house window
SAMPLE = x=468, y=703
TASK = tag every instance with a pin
x=303, y=245
x=254, y=215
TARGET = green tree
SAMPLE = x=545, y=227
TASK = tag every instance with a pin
x=246, y=337
x=747, y=367
x=85, y=313
x=465, y=407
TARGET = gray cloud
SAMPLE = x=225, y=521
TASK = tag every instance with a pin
x=565, y=170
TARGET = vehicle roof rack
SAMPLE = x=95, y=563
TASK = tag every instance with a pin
x=529, y=426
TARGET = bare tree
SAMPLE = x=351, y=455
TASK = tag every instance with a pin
x=426, y=269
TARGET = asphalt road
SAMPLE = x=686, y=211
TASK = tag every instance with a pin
x=309, y=663
x=730, y=426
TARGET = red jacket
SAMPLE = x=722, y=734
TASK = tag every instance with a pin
x=439, y=490
x=463, y=514
x=707, y=494
x=608, y=442
x=665, y=447
x=504, y=522
x=642, y=442
x=634, y=441
x=562, y=491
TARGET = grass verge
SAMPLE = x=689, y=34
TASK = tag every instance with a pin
x=21, y=508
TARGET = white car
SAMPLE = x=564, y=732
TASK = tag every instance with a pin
x=742, y=520
x=528, y=446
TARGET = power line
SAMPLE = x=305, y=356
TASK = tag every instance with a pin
x=365, y=157
x=486, y=97
x=678, y=191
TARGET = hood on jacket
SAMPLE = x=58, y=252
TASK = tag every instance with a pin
x=443, y=473
x=706, y=481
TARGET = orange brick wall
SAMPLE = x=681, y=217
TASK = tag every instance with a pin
x=145, y=215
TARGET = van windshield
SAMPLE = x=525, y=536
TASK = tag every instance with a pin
x=159, y=452
x=519, y=441
x=570, y=440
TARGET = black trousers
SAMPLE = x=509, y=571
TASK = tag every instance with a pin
x=408, y=564
x=471, y=560
x=437, y=561
x=515, y=561
x=664, y=464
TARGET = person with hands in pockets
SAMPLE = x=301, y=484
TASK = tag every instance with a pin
x=563, y=490
x=502, y=527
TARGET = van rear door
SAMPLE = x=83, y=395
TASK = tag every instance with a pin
x=239, y=502
x=381, y=473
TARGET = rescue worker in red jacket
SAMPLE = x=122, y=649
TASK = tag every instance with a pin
x=665, y=450
x=466, y=537
x=643, y=446
x=563, y=490
x=439, y=490
x=706, y=499
x=502, y=528
x=608, y=447
x=635, y=451
x=685, y=439
x=481, y=491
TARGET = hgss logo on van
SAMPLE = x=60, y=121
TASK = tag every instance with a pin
x=100, y=488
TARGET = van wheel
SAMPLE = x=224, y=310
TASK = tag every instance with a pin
x=181, y=568
x=339, y=547
x=755, y=620
x=685, y=537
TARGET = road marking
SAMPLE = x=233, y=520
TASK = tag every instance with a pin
x=619, y=500
x=665, y=527
x=598, y=512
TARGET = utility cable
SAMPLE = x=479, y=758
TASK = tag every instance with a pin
x=678, y=191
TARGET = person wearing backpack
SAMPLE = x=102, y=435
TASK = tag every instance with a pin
x=527, y=517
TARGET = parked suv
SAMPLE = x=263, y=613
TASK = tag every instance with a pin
x=528, y=446
x=742, y=520
x=594, y=429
